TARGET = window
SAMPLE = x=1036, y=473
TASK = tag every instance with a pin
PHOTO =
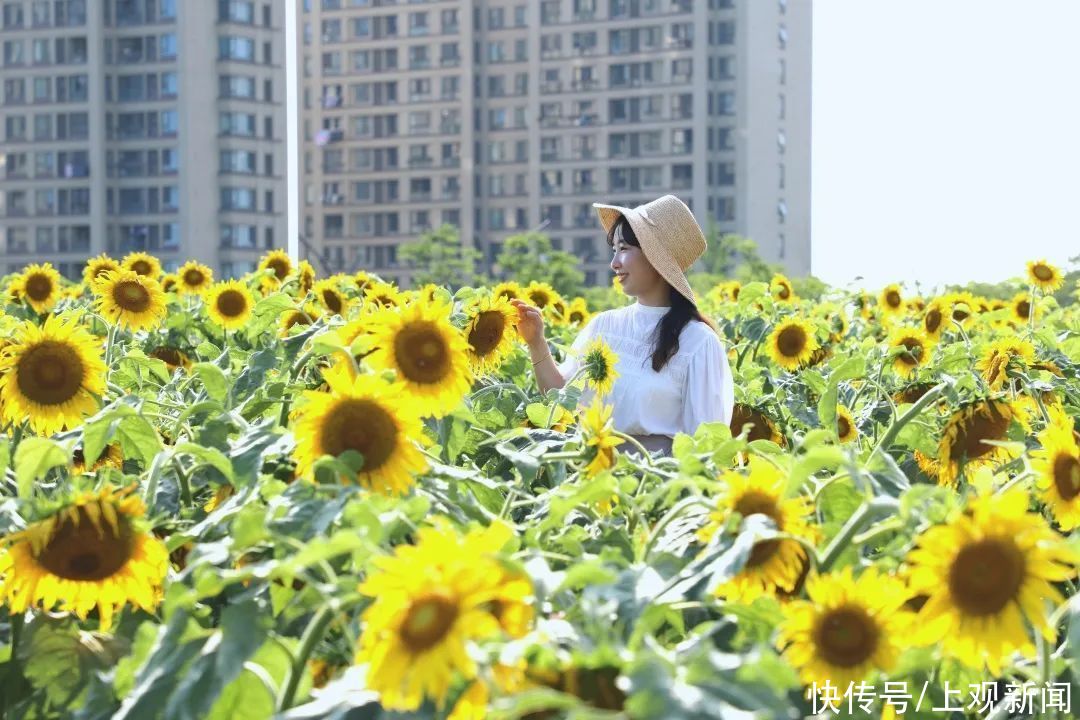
x=234, y=123
x=237, y=86
x=170, y=122
x=237, y=11
x=167, y=45
x=682, y=176
x=449, y=20
x=237, y=199
x=419, y=57
x=418, y=23
x=231, y=47
x=237, y=161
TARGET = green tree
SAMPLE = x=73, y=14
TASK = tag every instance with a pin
x=438, y=256
x=734, y=257
x=529, y=257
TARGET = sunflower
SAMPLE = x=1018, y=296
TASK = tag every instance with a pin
x=292, y=318
x=891, y=301
x=194, y=278
x=557, y=311
x=111, y=456
x=1058, y=468
x=509, y=290
x=362, y=279
x=1044, y=276
x=962, y=305
x=1022, y=308
x=780, y=288
x=846, y=430
x=936, y=316
x=599, y=361
x=999, y=354
x=51, y=375
x=169, y=283
x=280, y=265
x=230, y=304
x=775, y=565
x=98, y=266
x=616, y=285
x=490, y=332
x=431, y=602
x=130, y=300
x=90, y=553
x=142, y=263
x=964, y=442
x=430, y=356
x=847, y=629
x=912, y=351
x=792, y=343
x=172, y=357
x=599, y=434
x=368, y=415
x=330, y=297
x=383, y=294
x=578, y=312
x=755, y=423
x=984, y=573
x=305, y=277
x=40, y=286
x=540, y=294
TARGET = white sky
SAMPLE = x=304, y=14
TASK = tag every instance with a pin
x=946, y=139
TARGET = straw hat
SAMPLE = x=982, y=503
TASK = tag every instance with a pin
x=668, y=234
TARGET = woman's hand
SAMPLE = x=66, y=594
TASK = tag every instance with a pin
x=530, y=322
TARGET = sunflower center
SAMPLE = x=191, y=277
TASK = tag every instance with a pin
x=102, y=269
x=576, y=316
x=539, y=299
x=1067, y=476
x=742, y=416
x=131, y=296
x=194, y=277
x=843, y=427
x=487, y=332
x=912, y=351
x=1043, y=273
x=986, y=575
x=846, y=636
x=141, y=267
x=421, y=353
x=50, y=373
x=38, y=287
x=168, y=355
x=332, y=301
x=987, y=424
x=960, y=314
x=933, y=321
x=363, y=426
x=428, y=621
x=231, y=303
x=280, y=268
x=85, y=550
x=754, y=502
x=791, y=341
x=297, y=318
x=1023, y=308
x=893, y=299
x=784, y=292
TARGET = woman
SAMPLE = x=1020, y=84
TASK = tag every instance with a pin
x=672, y=367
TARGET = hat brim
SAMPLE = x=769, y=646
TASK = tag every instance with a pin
x=650, y=245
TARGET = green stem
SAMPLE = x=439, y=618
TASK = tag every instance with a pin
x=644, y=453
x=858, y=520
x=185, y=482
x=894, y=429
x=312, y=634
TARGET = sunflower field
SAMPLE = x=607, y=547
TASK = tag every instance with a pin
x=286, y=496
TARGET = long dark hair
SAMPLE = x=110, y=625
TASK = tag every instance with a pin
x=666, y=338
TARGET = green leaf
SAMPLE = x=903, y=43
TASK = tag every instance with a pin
x=852, y=368
x=213, y=379
x=266, y=313
x=58, y=658
x=247, y=697
x=211, y=456
x=138, y=438
x=822, y=457
x=34, y=457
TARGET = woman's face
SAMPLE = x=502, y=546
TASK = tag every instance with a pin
x=638, y=276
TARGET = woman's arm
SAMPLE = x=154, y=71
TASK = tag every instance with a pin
x=547, y=373
x=530, y=326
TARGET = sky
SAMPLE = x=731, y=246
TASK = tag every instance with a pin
x=946, y=139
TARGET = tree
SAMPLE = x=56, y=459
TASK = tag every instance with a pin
x=735, y=257
x=529, y=256
x=439, y=257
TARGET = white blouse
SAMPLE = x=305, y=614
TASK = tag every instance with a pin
x=695, y=385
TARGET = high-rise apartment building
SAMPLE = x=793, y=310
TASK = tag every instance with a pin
x=499, y=116
x=154, y=125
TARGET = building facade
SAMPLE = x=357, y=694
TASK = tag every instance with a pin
x=154, y=125
x=500, y=116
